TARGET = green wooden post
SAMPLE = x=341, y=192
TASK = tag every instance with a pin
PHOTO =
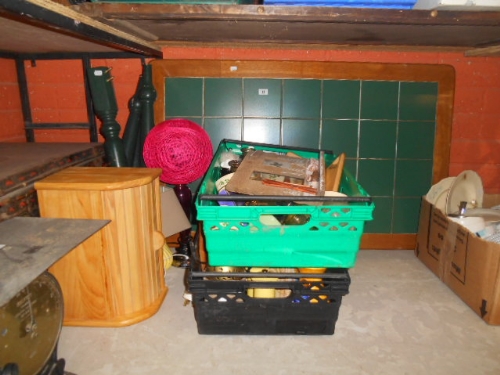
x=132, y=130
x=105, y=107
x=147, y=96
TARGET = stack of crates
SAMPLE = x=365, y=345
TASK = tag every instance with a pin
x=279, y=258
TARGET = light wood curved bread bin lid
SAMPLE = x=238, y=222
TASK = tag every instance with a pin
x=98, y=178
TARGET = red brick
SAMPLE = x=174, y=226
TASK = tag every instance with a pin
x=462, y=128
x=43, y=96
x=479, y=73
x=489, y=127
x=470, y=100
x=8, y=72
x=72, y=115
x=73, y=135
x=491, y=104
x=13, y=125
x=489, y=173
x=475, y=126
x=71, y=96
x=45, y=115
x=474, y=151
x=127, y=70
x=9, y=97
x=54, y=71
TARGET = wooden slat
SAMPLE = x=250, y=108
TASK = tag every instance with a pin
x=35, y=20
x=382, y=241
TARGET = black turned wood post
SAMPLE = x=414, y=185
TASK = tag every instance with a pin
x=147, y=97
x=106, y=109
x=132, y=129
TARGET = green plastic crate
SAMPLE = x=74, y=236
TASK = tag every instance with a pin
x=235, y=235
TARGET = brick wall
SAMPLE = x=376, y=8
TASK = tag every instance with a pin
x=57, y=94
x=11, y=116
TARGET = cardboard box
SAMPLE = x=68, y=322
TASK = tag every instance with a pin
x=469, y=265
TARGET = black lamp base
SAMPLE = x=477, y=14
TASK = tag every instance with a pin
x=183, y=251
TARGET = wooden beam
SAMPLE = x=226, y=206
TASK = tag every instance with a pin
x=486, y=51
x=50, y=15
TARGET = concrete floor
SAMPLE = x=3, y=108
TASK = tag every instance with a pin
x=397, y=319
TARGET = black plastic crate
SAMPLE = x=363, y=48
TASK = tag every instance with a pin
x=222, y=304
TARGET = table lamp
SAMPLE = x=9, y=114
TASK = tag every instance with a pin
x=183, y=150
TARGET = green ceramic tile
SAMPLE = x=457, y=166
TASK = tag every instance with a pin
x=406, y=215
x=262, y=97
x=194, y=186
x=183, y=97
x=341, y=99
x=379, y=100
x=301, y=98
x=418, y=101
x=413, y=177
x=377, y=139
x=340, y=136
x=352, y=166
x=382, y=216
x=301, y=133
x=223, y=97
x=376, y=176
x=220, y=129
x=262, y=130
x=198, y=120
x=416, y=140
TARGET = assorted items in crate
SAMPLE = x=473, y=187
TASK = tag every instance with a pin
x=269, y=227
x=280, y=226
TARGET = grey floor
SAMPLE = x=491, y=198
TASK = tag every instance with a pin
x=397, y=319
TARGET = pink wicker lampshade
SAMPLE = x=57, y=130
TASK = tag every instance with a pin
x=181, y=148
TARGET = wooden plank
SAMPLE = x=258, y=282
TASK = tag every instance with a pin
x=17, y=158
x=308, y=25
x=381, y=241
x=30, y=245
x=20, y=37
x=49, y=16
x=317, y=32
x=486, y=51
x=158, y=11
